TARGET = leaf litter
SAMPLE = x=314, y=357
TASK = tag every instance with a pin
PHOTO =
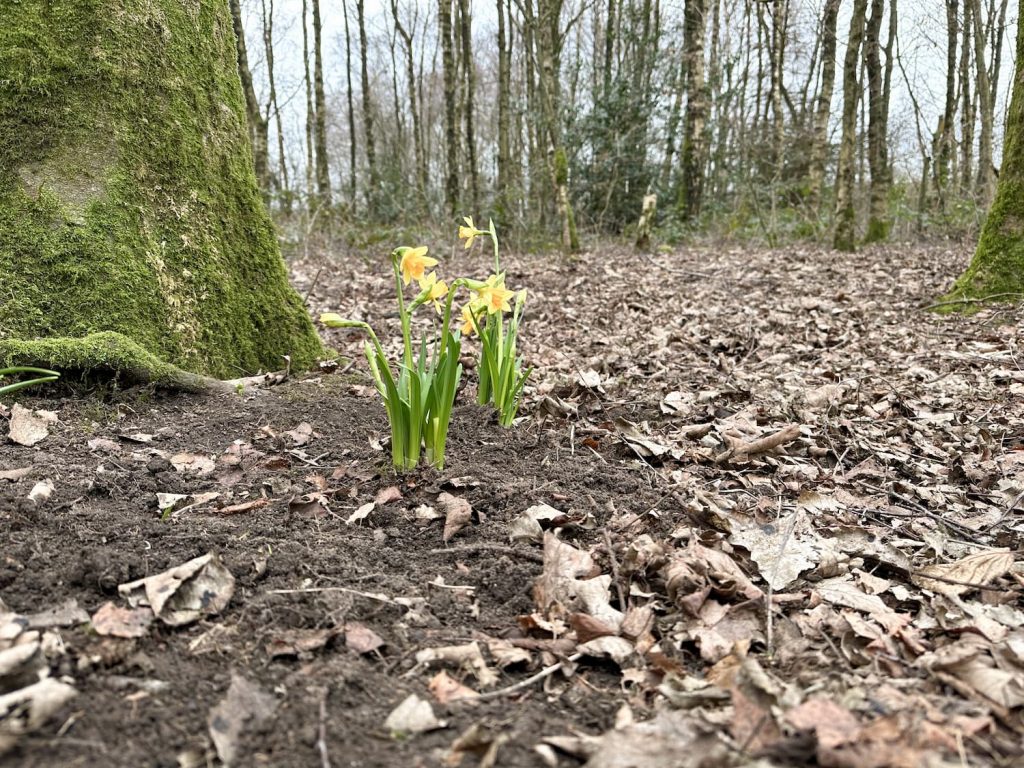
x=774, y=515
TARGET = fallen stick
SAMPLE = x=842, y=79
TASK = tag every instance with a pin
x=546, y=672
x=761, y=445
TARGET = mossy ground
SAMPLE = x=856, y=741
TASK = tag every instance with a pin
x=128, y=203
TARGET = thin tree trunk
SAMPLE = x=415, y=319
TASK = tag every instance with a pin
x=369, y=142
x=353, y=141
x=283, y=185
x=823, y=107
x=986, y=175
x=310, y=113
x=691, y=188
x=323, y=174
x=258, y=126
x=845, y=229
x=469, y=72
x=878, y=219
x=504, y=116
x=966, y=105
x=944, y=135
x=451, y=186
x=417, y=137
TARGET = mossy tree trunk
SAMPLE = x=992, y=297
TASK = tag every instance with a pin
x=997, y=269
x=844, y=236
x=129, y=209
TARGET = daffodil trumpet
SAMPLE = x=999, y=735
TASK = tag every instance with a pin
x=43, y=376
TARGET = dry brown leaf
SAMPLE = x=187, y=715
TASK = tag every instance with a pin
x=244, y=707
x=185, y=593
x=981, y=568
x=457, y=514
x=446, y=688
x=30, y=427
x=115, y=621
x=361, y=639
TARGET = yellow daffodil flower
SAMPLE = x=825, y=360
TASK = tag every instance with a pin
x=494, y=295
x=469, y=232
x=414, y=264
x=434, y=290
x=468, y=312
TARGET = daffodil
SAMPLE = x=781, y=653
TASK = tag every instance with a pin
x=414, y=264
x=433, y=290
x=468, y=315
x=469, y=232
x=494, y=295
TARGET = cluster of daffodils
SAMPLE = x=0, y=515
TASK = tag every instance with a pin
x=490, y=315
x=419, y=400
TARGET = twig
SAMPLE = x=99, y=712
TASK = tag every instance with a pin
x=321, y=742
x=761, y=445
x=546, y=672
x=615, y=570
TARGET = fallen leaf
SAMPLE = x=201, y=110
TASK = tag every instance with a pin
x=181, y=595
x=457, y=514
x=387, y=495
x=26, y=709
x=14, y=475
x=41, y=491
x=361, y=639
x=445, y=688
x=301, y=434
x=244, y=707
x=292, y=642
x=981, y=568
x=467, y=656
x=30, y=427
x=361, y=513
x=527, y=526
x=193, y=464
x=67, y=614
x=412, y=716
x=115, y=621
x=672, y=739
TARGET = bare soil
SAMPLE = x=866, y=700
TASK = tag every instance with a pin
x=653, y=372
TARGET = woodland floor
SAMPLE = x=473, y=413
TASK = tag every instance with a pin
x=884, y=531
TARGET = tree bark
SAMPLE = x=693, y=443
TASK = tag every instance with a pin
x=469, y=116
x=997, y=269
x=132, y=232
x=691, y=187
x=967, y=115
x=258, y=127
x=878, y=213
x=323, y=174
x=986, y=174
x=353, y=139
x=504, y=115
x=417, y=134
x=369, y=142
x=844, y=238
x=823, y=106
x=273, y=108
x=945, y=141
x=451, y=185
x=310, y=112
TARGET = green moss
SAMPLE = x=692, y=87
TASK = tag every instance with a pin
x=128, y=202
x=997, y=270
